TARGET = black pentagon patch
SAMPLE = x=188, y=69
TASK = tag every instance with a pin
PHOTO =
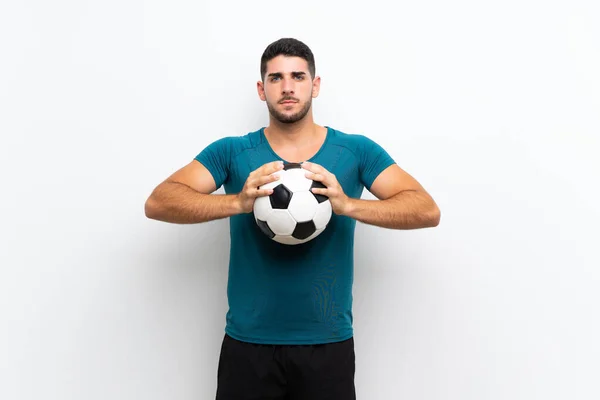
x=304, y=230
x=265, y=228
x=320, y=198
x=287, y=166
x=280, y=198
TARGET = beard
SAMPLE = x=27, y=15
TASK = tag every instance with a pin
x=286, y=118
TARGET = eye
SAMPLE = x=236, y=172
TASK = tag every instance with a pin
x=274, y=78
x=300, y=77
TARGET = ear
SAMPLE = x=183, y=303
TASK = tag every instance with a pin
x=260, y=88
x=316, y=86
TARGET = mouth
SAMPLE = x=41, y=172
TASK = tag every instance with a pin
x=288, y=102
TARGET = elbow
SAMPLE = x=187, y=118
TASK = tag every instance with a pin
x=151, y=208
x=434, y=217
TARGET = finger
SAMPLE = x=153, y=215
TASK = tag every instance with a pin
x=307, y=165
x=253, y=192
x=262, y=180
x=323, y=191
x=271, y=167
x=319, y=170
x=313, y=167
x=267, y=169
x=315, y=177
x=263, y=192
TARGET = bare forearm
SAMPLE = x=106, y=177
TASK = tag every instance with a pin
x=406, y=210
x=178, y=203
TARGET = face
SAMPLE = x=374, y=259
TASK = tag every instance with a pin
x=288, y=88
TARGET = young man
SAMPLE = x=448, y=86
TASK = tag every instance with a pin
x=289, y=328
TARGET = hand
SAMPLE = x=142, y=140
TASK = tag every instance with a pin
x=338, y=199
x=260, y=176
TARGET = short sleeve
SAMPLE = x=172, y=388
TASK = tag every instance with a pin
x=373, y=160
x=216, y=158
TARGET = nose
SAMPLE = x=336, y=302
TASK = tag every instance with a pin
x=287, y=87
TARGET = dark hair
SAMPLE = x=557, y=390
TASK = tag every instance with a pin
x=288, y=47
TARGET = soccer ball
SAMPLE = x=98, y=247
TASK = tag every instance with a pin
x=292, y=214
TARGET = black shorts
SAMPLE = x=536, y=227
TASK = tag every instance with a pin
x=249, y=371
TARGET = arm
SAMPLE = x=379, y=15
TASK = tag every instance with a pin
x=402, y=203
x=185, y=198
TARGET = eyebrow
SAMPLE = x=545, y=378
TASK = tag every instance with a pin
x=279, y=74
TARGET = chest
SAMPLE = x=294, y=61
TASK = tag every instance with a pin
x=337, y=160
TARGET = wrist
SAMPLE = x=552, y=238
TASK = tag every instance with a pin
x=349, y=207
x=236, y=204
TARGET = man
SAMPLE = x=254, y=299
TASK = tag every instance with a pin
x=288, y=331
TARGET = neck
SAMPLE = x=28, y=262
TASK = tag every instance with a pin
x=296, y=134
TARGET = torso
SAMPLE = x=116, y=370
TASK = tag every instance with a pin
x=298, y=294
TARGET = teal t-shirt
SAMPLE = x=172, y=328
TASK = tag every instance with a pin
x=300, y=294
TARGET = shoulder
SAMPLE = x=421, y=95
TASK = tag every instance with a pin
x=231, y=146
x=358, y=143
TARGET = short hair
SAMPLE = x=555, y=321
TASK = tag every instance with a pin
x=288, y=47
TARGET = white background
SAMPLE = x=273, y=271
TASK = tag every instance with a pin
x=492, y=106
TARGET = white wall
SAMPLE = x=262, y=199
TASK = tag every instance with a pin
x=494, y=108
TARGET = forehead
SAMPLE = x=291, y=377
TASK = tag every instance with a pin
x=285, y=64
